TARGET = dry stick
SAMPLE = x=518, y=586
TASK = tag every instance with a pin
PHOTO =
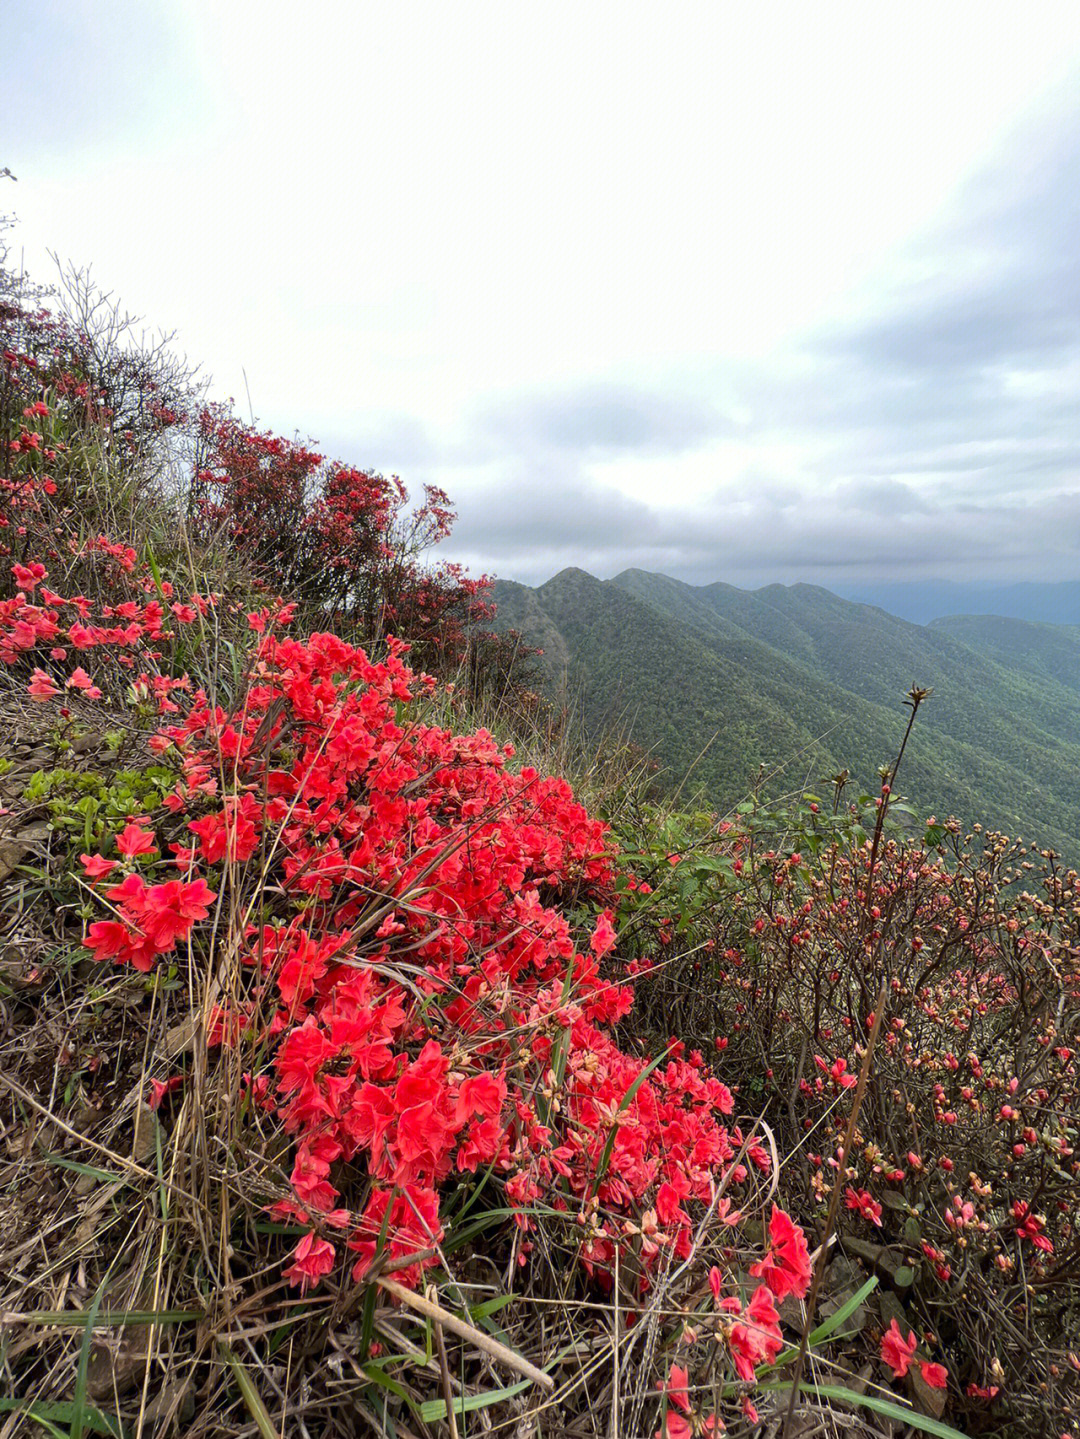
x=459, y=1327
x=615, y=1355
x=444, y=1374
x=404, y=1261
x=834, y=1205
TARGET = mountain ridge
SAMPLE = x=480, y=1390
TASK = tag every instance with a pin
x=759, y=677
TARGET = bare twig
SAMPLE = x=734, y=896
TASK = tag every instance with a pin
x=457, y=1326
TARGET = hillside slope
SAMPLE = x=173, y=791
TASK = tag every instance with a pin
x=1045, y=652
x=804, y=683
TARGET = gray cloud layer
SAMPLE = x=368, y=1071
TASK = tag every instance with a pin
x=934, y=425
x=544, y=522
x=969, y=366
x=604, y=420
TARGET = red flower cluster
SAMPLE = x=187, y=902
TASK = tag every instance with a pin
x=750, y=1330
x=335, y=538
x=964, y=1155
x=898, y=1352
x=786, y=1265
x=419, y=987
x=154, y=919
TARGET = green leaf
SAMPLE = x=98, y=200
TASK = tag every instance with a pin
x=79, y=1406
x=846, y=1310
x=151, y=560
x=904, y=1275
x=378, y=1376
x=904, y=1413
x=434, y=1409
x=490, y=1306
x=477, y=1190
x=714, y=864
x=255, y=1407
x=88, y=1171
x=42, y=1410
x=828, y=1327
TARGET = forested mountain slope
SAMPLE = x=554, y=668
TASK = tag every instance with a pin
x=1046, y=652
x=804, y=683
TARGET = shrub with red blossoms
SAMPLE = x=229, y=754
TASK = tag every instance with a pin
x=339, y=541
x=417, y=987
x=964, y=1167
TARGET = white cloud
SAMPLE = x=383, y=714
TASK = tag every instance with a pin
x=396, y=219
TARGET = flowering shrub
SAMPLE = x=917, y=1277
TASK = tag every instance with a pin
x=80, y=393
x=335, y=538
x=963, y=1186
x=88, y=425
x=415, y=1002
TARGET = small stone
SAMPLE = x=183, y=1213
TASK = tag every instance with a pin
x=114, y=1368
x=12, y=854
x=144, y=1137
x=173, y=1404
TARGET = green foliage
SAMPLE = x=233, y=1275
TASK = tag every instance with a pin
x=1045, y=652
x=86, y=806
x=763, y=692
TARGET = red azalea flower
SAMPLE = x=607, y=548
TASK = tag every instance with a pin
x=314, y=1257
x=96, y=866
x=786, y=1265
x=864, y=1203
x=134, y=839
x=42, y=686
x=896, y=1351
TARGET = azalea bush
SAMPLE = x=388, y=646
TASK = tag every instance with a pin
x=338, y=540
x=93, y=414
x=414, y=949
x=106, y=439
x=412, y=1001
x=776, y=932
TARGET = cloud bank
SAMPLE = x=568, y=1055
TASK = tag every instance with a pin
x=930, y=431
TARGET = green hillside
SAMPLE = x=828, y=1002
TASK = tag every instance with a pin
x=1045, y=652
x=804, y=683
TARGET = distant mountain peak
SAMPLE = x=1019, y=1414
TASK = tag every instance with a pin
x=572, y=574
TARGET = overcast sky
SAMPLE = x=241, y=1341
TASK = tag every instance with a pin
x=738, y=291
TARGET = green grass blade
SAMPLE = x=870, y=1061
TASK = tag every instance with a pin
x=900, y=1412
x=846, y=1310
x=490, y=1306
x=378, y=1376
x=627, y=1099
x=79, y=1407
x=155, y=570
x=87, y=1171
x=109, y=1318
x=477, y=1190
x=40, y=1412
x=255, y=1407
x=432, y=1410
